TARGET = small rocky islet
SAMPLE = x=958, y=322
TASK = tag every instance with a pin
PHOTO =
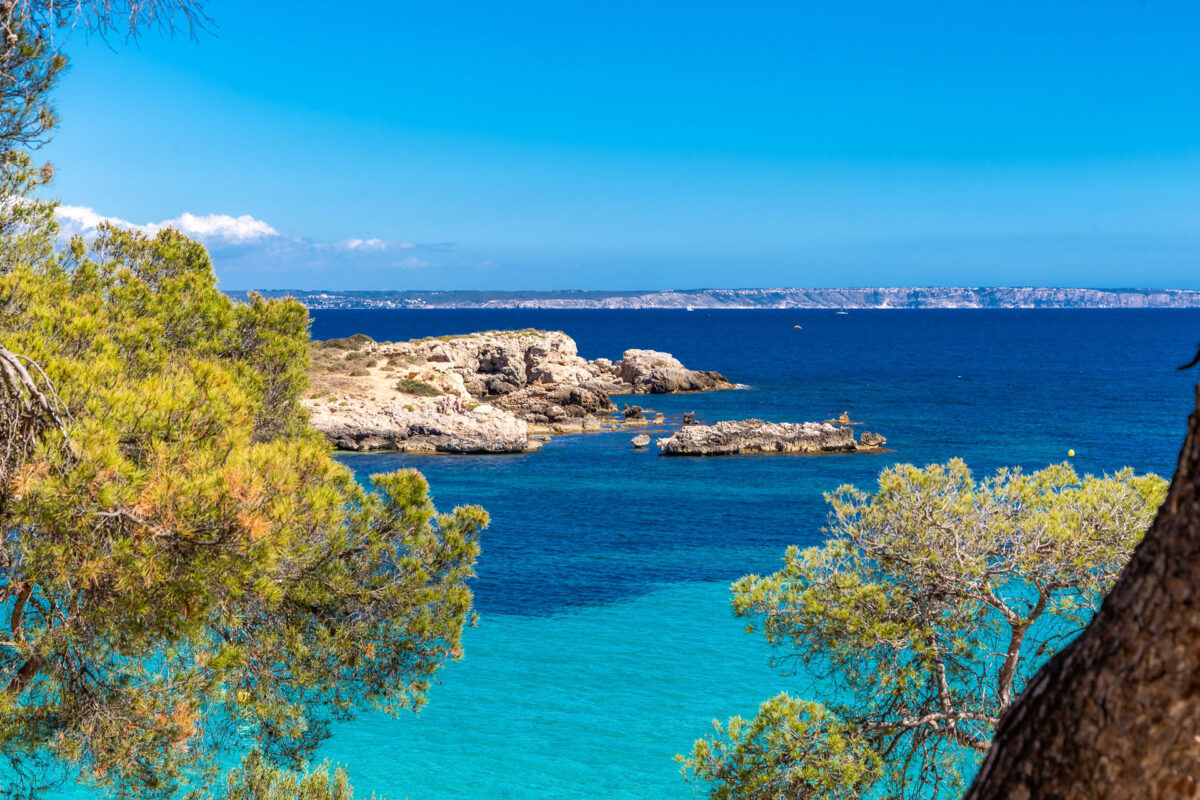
x=505, y=391
x=757, y=436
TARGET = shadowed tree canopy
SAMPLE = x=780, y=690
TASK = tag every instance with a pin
x=1116, y=714
x=183, y=566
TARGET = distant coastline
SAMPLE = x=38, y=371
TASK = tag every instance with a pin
x=861, y=298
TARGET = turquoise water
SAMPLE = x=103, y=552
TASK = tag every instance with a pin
x=587, y=703
x=605, y=643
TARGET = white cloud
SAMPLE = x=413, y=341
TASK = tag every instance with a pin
x=370, y=245
x=207, y=228
x=217, y=226
x=81, y=219
x=249, y=252
x=365, y=244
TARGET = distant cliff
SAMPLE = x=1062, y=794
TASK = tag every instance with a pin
x=884, y=297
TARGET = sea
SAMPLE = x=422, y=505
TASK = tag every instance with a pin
x=605, y=643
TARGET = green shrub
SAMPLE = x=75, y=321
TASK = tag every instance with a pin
x=355, y=342
x=419, y=388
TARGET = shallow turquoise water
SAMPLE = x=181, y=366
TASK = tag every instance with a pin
x=605, y=644
x=590, y=702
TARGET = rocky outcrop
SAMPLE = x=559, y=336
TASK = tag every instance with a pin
x=757, y=436
x=652, y=372
x=634, y=415
x=501, y=363
x=373, y=395
x=871, y=440
x=560, y=408
x=640, y=441
x=418, y=427
x=539, y=375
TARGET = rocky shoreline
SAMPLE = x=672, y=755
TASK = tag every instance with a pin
x=756, y=436
x=486, y=392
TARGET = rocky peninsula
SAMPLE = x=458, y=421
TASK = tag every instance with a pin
x=479, y=393
x=757, y=436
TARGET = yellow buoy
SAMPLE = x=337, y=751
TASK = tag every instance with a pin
x=1071, y=453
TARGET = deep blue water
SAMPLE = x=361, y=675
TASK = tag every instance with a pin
x=605, y=643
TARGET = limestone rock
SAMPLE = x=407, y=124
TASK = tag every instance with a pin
x=757, y=436
x=870, y=440
x=653, y=372
x=417, y=427
x=381, y=390
x=640, y=441
x=842, y=419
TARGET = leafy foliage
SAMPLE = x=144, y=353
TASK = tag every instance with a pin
x=183, y=565
x=929, y=607
x=256, y=779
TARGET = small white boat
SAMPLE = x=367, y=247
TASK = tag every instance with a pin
x=690, y=308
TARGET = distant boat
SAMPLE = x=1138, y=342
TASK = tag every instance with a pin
x=797, y=327
x=689, y=308
x=843, y=313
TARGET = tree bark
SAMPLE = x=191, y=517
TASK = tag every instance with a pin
x=1116, y=714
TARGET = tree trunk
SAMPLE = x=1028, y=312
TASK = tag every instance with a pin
x=1116, y=714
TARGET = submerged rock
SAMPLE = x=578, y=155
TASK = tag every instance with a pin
x=757, y=436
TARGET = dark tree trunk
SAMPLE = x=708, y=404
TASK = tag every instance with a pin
x=1116, y=714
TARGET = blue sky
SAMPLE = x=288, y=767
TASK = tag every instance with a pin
x=637, y=145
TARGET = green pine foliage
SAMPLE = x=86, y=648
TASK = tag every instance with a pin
x=184, y=566
x=256, y=779
x=917, y=623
